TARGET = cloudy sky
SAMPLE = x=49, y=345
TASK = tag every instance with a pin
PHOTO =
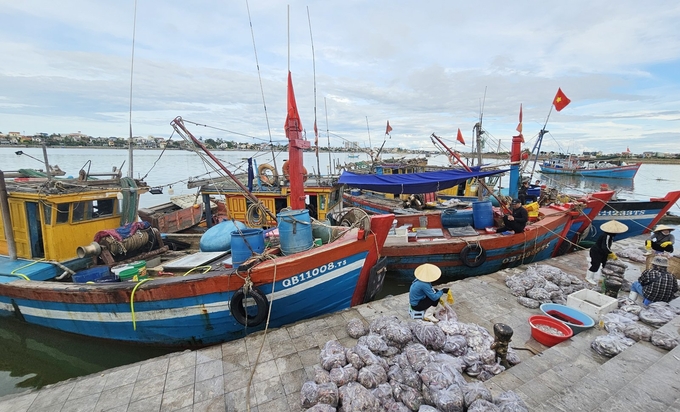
x=424, y=66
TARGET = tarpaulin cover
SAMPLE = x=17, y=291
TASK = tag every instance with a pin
x=411, y=183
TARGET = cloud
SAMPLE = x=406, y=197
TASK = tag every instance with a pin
x=430, y=67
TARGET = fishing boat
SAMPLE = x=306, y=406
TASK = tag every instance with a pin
x=407, y=193
x=641, y=216
x=464, y=243
x=462, y=252
x=44, y=223
x=575, y=166
x=264, y=286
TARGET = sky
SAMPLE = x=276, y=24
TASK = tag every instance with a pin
x=427, y=67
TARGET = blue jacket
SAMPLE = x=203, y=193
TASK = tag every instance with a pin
x=419, y=290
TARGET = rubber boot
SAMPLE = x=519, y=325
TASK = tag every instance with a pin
x=429, y=315
x=635, y=297
x=590, y=277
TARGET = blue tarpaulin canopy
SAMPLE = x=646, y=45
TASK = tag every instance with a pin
x=411, y=183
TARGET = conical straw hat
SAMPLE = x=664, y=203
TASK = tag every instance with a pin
x=663, y=227
x=428, y=272
x=613, y=226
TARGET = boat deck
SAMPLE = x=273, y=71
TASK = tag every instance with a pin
x=566, y=377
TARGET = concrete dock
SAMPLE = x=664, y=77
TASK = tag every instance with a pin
x=567, y=377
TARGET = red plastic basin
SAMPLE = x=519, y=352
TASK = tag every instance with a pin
x=545, y=338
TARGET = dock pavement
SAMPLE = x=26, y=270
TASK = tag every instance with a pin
x=569, y=376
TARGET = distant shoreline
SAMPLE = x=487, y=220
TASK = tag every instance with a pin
x=655, y=160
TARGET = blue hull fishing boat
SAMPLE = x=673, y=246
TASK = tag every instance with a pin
x=575, y=167
x=639, y=215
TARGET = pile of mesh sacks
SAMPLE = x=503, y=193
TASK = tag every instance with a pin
x=625, y=327
x=410, y=366
x=543, y=284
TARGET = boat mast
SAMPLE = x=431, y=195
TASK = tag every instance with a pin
x=132, y=66
x=479, y=132
x=296, y=144
x=537, y=145
x=316, y=130
x=178, y=124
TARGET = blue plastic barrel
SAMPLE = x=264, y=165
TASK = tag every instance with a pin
x=218, y=237
x=295, y=231
x=457, y=218
x=483, y=214
x=244, y=244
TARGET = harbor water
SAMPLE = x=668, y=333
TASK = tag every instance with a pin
x=32, y=356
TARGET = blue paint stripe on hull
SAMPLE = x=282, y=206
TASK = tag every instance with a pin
x=637, y=224
x=314, y=296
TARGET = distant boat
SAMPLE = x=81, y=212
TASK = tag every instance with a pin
x=587, y=168
x=353, y=156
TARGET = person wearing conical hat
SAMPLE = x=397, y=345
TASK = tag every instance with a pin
x=602, y=249
x=421, y=295
x=661, y=239
x=655, y=284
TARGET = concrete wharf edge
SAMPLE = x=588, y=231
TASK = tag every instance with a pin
x=567, y=377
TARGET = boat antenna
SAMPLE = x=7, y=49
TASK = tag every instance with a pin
x=370, y=145
x=478, y=130
x=132, y=67
x=328, y=136
x=264, y=103
x=316, y=130
x=537, y=146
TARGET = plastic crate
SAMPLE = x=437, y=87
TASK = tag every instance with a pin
x=91, y=275
x=592, y=303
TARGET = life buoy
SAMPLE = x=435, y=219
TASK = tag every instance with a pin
x=286, y=171
x=478, y=258
x=239, y=312
x=267, y=178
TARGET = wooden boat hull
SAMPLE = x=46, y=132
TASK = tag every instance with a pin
x=170, y=218
x=592, y=205
x=536, y=243
x=618, y=172
x=194, y=310
x=639, y=215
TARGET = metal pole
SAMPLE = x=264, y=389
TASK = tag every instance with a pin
x=7, y=219
x=47, y=164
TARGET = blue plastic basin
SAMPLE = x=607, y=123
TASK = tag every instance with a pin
x=565, y=314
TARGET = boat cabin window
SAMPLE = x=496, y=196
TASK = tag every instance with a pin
x=87, y=210
x=334, y=197
x=81, y=211
x=322, y=202
x=47, y=213
x=62, y=212
x=102, y=207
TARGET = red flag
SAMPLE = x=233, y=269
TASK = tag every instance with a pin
x=627, y=149
x=389, y=128
x=561, y=100
x=460, y=137
x=293, y=123
x=519, y=126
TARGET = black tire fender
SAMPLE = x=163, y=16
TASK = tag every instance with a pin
x=479, y=255
x=238, y=310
